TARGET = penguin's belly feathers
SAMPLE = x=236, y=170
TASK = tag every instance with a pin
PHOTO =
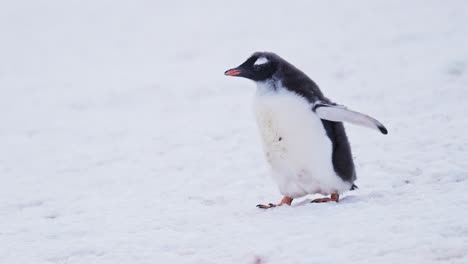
x=295, y=144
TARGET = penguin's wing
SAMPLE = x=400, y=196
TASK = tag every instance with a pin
x=339, y=113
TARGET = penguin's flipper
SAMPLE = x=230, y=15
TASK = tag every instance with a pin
x=339, y=113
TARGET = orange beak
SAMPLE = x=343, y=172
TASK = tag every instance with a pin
x=232, y=72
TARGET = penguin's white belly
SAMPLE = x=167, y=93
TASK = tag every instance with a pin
x=296, y=145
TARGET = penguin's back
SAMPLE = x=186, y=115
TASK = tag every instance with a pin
x=342, y=157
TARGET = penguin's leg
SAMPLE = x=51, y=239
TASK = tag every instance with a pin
x=285, y=200
x=333, y=198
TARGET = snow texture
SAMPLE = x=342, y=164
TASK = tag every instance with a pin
x=123, y=142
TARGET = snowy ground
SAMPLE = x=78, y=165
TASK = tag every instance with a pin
x=122, y=141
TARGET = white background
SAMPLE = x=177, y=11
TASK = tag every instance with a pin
x=121, y=141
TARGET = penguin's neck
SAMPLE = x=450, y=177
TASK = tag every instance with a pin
x=268, y=86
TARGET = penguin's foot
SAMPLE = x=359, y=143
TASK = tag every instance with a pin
x=334, y=198
x=285, y=200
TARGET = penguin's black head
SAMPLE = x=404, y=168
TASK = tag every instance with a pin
x=259, y=67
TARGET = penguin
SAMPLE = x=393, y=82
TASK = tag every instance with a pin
x=302, y=132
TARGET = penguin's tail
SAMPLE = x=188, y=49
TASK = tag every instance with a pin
x=354, y=187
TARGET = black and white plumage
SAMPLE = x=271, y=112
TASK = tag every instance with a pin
x=303, y=136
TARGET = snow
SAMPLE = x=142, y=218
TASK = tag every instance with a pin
x=123, y=142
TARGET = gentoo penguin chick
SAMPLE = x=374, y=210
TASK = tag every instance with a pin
x=303, y=136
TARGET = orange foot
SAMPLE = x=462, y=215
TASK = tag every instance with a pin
x=285, y=200
x=334, y=198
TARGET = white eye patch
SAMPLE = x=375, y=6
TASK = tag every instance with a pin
x=261, y=60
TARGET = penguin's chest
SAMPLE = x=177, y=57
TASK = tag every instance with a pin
x=295, y=144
